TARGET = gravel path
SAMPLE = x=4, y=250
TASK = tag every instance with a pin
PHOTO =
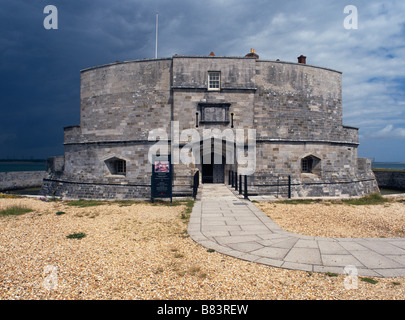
x=141, y=251
x=325, y=219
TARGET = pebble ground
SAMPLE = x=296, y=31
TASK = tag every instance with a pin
x=142, y=251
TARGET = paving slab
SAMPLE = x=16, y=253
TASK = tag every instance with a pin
x=271, y=252
x=223, y=221
x=246, y=246
x=304, y=255
x=304, y=243
x=297, y=266
x=342, y=260
x=382, y=247
x=374, y=260
x=331, y=247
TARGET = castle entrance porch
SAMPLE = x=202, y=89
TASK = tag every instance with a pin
x=217, y=159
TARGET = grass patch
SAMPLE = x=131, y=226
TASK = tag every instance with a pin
x=126, y=203
x=79, y=235
x=59, y=213
x=369, y=280
x=184, y=234
x=189, y=202
x=175, y=203
x=301, y=201
x=9, y=196
x=14, y=211
x=85, y=203
x=196, y=271
x=371, y=199
x=185, y=215
x=331, y=274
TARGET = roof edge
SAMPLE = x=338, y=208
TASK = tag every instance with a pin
x=122, y=62
x=205, y=57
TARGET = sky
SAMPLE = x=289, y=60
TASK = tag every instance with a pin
x=40, y=67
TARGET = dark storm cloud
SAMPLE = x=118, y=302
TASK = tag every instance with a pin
x=40, y=69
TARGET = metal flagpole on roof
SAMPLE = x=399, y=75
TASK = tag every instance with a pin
x=156, y=48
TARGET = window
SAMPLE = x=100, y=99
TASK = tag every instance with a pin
x=116, y=166
x=121, y=167
x=307, y=165
x=214, y=80
x=310, y=164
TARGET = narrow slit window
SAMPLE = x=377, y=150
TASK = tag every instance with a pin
x=214, y=80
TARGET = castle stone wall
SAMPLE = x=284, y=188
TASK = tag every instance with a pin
x=299, y=103
x=21, y=179
x=124, y=101
x=390, y=179
x=295, y=109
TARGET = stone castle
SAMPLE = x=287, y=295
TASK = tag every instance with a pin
x=294, y=108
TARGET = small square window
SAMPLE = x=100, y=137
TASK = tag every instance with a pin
x=214, y=80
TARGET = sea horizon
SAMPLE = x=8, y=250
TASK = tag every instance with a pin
x=388, y=165
x=7, y=165
x=17, y=165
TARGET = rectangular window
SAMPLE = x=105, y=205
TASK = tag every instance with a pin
x=305, y=166
x=214, y=80
x=121, y=167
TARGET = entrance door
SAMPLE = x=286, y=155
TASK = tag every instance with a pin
x=218, y=173
x=213, y=173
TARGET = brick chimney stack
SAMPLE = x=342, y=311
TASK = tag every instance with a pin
x=302, y=59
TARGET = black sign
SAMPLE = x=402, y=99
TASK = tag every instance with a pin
x=161, y=178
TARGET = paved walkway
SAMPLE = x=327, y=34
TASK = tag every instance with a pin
x=223, y=221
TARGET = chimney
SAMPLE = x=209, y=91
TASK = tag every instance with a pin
x=212, y=54
x=252, y=54
x=302, y=59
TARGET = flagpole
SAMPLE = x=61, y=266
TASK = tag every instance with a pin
x=156, y=47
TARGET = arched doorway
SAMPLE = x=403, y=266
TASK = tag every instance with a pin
x=215, y=161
